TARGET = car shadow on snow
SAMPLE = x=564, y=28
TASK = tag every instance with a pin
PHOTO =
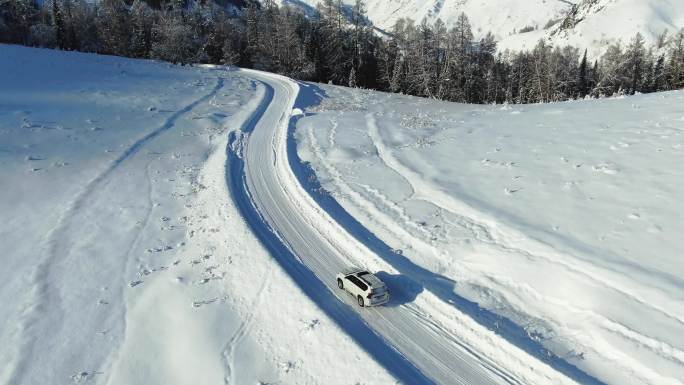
x=402, y=289
x=350, y=321
x=412, y=278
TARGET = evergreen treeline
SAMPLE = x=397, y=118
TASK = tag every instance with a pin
x=338, y=45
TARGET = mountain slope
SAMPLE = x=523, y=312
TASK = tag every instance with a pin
x=591, y=24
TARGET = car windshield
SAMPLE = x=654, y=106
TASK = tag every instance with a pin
x=361, y=274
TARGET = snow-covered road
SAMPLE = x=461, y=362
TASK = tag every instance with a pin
x=124, y=260
x=159, y=227
x=405, y=337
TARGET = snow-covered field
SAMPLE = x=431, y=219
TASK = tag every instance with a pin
x=159, y=228
x=564, y=218
x=124, y=260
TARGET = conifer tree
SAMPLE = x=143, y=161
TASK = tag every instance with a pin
x=675, y=68
x=583, y=81
x=141, y=29
x=425, y=60
x=634, y=61
x=58, y=21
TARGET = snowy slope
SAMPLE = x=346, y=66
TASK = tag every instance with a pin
x=596, y=23
x=565, y=218
x=440, y=337
x=125, y=260
x=593, y=24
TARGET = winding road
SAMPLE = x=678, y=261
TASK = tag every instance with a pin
x=312, y=247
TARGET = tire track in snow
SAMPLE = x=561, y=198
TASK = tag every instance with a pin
x=500, y=238
x=242, y=330
x=348, y=320
x=43, y=298
x=310, y=245
x=124, y=320
x=379, y=196
x=442, y=287
x=484, y=233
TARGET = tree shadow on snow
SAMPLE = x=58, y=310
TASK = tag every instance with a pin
x=413, y=276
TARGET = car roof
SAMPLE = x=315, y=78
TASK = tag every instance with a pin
x=352, y=270
x=371, y=279
x=364, y=275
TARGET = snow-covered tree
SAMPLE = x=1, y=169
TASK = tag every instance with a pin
x=635, y=57
x=583, y=80
x=114, y=27
x=339, y=44
x=675, y=67
x=16, y=19
x=142, y=21
x=174, y=41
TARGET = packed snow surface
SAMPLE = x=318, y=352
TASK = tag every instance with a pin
x=565, y=218
x=440, y=337
x=124, y=258
x=159, y=227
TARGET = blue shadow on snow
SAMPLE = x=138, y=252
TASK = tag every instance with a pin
x=416, y=276
x=306, y=280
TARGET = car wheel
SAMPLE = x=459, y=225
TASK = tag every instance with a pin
x=360, y=300
x=340, y=284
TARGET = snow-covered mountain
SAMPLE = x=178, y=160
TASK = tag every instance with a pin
x=584, y=23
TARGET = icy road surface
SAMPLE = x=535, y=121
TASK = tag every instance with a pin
x=444, y=345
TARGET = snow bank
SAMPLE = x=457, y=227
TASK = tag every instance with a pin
x=565, y=218
x=124, y=259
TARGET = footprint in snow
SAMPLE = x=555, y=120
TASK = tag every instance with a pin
x=205, y=302
x=159, y=249
x=83, y=376
x=287, y=366
x=311, y=325
x=606, y=168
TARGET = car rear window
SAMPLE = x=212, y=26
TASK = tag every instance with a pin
x=358, y=282
x=379, y=290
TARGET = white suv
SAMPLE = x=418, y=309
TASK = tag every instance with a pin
x=368, y=289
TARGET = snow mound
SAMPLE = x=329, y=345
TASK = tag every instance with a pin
x=565, y=217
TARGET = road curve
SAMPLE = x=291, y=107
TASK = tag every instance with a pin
x=314, y=249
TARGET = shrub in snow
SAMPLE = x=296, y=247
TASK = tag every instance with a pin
x=174, y=42
x=42, y=35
